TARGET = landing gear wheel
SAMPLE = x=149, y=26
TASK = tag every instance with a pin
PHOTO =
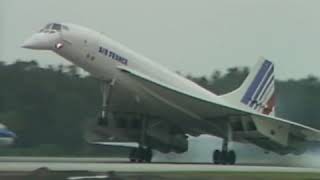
x=133, y=155
x=231, y=157
x=148, y=155
x=224, y=157
x=216, y=157
x=140, y=155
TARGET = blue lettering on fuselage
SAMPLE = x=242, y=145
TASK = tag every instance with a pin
x=113, y=55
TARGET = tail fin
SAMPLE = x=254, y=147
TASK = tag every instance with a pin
x=257, y=91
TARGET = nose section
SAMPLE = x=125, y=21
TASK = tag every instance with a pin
x=41, y=41
x=31, y=43
x=7, y=133
x=12, y=134
x=7, y=137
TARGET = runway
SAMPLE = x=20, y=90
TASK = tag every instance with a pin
x=86, y=168
x=133, y=167
x=25, y=164
x=102, y=164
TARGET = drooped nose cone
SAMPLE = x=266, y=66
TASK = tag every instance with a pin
x=41, y=41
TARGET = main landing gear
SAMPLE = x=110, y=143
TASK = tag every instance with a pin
x=224, y=156
x=141, y=155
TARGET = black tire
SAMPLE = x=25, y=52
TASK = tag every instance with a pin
x=140, y=155
x=223, y=157
x=148, y=155
x=231, y=157
x=216, y=157
x=133, y=155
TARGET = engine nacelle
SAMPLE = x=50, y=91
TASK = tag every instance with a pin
x=166, y=142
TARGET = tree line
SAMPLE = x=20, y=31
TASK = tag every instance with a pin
x=48, y=106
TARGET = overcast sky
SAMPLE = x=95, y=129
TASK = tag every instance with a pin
x=195, y=36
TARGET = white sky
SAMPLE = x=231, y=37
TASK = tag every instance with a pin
x=195, y=36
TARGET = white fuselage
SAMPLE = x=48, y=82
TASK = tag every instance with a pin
x=104, y=58
x=165, y=95
x=100, y=56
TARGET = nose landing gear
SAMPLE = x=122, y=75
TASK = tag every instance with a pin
x=106, y=90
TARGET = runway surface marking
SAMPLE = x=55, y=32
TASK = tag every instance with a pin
x=130, y=167
x=82, y=168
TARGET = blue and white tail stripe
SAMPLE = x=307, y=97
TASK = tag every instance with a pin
x=270, y=85
x=257, y=90
x=260, y=93
x=262, y=85
x=266, y=93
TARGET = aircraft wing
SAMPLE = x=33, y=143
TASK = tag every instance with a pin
x=200, y=116
x=117, y=144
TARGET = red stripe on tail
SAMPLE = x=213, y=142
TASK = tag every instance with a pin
x=270, y=105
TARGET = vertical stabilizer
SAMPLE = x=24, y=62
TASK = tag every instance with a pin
x=257, y=91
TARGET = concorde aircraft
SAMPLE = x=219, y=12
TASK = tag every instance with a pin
x=7, y=137
x=155, y=109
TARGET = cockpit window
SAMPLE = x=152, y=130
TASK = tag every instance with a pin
x=56, y=27
x=48, y=26
x=52, y=27
x=64, y=27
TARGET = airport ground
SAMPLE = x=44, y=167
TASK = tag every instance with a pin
x=12, y=168
x=66, y=175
